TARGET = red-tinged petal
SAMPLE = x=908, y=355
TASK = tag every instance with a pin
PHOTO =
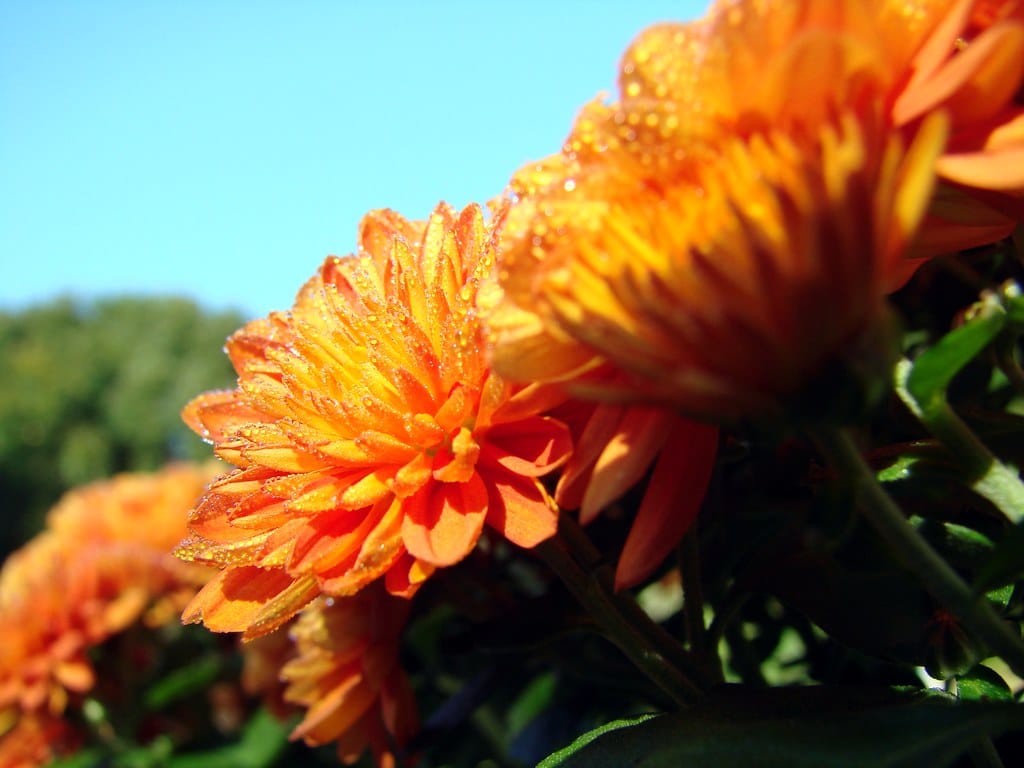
x=406, y=576
x=530, y=400
x=214, y=415
x=641, y=434
x=999, y=169
x=443, y=521
x=336, y=712
x=280, y=609
x=462, y=463
x=211, y=518
x=929, y=59
x=530, y=447
x=398, y=707
x=413, y=476
x=352, y=743
x=382, y=546
x=259, y=512
x=232, y=599
x=453, y=413
x=331, y=537
x=520, y=509
x=601, y=426
x=379, y=548
x=995, y=62
x=674, y=495
x=977, y=82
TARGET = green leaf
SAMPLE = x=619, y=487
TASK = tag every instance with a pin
x=934, y=369
x=796, y=728
x=182, y=683
x=1005, y=564
x=263, y=740
x=962, y=547
x=983, y=684
x=898, y=470
x=87, y=758
x=534, y=699
x=563, y=757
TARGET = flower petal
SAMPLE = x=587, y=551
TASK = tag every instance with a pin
x=641, y=434
x=443, y=521
x=530, y=447
x=674, y=495
x=233, y=600
x=520, y=509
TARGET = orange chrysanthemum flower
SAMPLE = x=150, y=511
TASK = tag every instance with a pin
x=371, y=436
x=34, y=740
x=347, y=677
x=714, y=240
x=685, y=82
x=716, y=243
x=102, y=564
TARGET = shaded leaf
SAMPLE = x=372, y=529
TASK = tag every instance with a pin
x=934, y=369
x=534, y=699
x=564, y=757
x=795, y=728
x=983, y=684
x=1005, y=564
x=184, y=682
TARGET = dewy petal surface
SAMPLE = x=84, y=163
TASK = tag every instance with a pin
x=713, y=238
x=678, y=220
x=373, y=439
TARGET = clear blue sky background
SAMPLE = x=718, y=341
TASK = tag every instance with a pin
x=220, y=150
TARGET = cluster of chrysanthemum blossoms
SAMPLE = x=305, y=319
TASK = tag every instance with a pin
x=703, y=248
x=102, y=564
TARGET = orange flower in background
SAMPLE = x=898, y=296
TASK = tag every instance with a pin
x=347, y=678
x=138, y=508
x=719, y=244
x=34, y=740
x=103, y=564
x=371, y=436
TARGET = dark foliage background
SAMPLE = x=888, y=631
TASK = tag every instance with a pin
x=94, y=388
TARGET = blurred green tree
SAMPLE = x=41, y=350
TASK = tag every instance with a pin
x=94, y=388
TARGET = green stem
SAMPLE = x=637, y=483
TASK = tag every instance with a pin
x=693, y=605
x=990, y=478
x=650, y=648
x=941, y=581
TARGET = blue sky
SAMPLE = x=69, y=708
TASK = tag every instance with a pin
x=220, y=150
